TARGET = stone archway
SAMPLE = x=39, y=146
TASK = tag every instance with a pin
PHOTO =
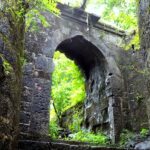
x=99, y=112
x=103, y=82
x=94, y=65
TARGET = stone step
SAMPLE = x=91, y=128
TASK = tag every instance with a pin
x=67, y=146
x=34, y=145
x=47, y=145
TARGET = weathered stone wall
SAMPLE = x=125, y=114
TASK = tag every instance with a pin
x=9, y=104
x=8, y=114
x=9, y=95
x=134, y=105
x=144, y=30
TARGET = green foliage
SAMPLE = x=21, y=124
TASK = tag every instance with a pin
x=134, y=41
x=35, y=15
x=15, y=15
x=77, y=119
x=85, y=136
x=31, y=20
x=7, y=67
x=67, y=90
x=20, y=15
x=53, y=129
x=122, y=14
x=67, y=84
x=139, y=97
x=125, y=136
x=144, y=132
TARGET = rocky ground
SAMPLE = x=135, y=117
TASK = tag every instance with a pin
x=59, y=145
x=139, y=143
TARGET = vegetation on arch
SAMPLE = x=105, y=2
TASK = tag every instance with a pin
x=19, y=16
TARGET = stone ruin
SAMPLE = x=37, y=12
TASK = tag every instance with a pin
x=113, y=86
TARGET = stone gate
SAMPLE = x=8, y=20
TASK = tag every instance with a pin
x=92, y=46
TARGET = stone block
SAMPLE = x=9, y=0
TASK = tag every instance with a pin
x=28, y=69
x=24, y=117
x=26, y=106
x=41, y=89
x=47, y=49
x=40, y=123
x=28, y=81
x=27, y=94
x=44, y=64
x=24, y=128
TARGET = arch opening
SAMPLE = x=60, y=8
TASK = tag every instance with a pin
x=94, y=65
x=84, y=53
x=67, y=92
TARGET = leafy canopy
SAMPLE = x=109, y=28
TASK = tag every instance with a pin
x=121, y=13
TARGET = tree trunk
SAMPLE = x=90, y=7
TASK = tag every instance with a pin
x=144, y=24
x=144, y=31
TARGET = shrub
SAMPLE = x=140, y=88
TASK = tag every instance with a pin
x=53, y=129
x=144, y=132
x=85, y=136
x=77, y=118
x=125, y=136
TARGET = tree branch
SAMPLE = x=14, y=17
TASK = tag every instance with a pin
x=58, y=116
x=83, y=5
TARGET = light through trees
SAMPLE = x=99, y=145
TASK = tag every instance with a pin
x=68, y=86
